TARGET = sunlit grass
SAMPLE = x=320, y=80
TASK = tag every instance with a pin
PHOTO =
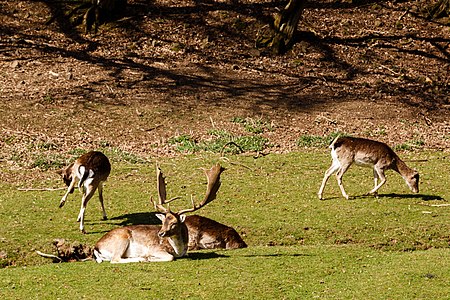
x=394, y=246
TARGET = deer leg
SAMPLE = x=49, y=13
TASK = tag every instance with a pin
x=120, y=248
x=334, y=167
x=375, y=180
x=375, y=177
x=339, y=175
x=89, y=192
x=118, y=253
x=100, y=197
x=160, y=256
x=381, y=176
x=128, y=260
x=69, y=189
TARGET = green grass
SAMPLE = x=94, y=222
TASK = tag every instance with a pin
x=316, y=141
x=411, y=145
x=392, y=247
x=220, y=141
x=46, y=156
x=252, y=125
x=336, y=272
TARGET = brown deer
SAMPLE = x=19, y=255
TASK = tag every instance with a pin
x=90, y=170
x=147, y=243
x=205, y=233
x=364, y=152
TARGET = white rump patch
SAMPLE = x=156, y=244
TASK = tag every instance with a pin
x=334, y=157
x=80, y=172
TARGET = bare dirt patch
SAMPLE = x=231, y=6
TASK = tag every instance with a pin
x=378, y=70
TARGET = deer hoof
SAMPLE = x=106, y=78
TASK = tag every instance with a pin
x=375, y=194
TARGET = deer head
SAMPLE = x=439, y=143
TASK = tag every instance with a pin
x=171, y=220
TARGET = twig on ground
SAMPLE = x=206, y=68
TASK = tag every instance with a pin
x=212, y=122
x=40, y=189
x=230, y=143
x=235, y=163
x=56, y=258
x=435, y=205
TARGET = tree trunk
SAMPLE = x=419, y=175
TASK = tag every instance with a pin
x=102, y=11
x=285, y=25
x=440, y=9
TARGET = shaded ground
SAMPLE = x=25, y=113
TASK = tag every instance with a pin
x=377, y=70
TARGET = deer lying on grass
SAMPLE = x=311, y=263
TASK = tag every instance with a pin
x=90, y=170
x=147, y=243
x=364, y=152
x=205, y=233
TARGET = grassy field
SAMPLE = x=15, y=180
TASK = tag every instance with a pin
x=395, y=246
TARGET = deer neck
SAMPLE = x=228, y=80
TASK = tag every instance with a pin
x=402, y=168
x=179, y=242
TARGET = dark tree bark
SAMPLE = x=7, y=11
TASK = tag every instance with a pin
x=440, y=9
x=88, y=13
x=102, y=11
x=285, y=25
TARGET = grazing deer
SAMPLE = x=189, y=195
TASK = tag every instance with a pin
x=365, y=152
x=205, y=233
x=90, y=170
x=144, y=243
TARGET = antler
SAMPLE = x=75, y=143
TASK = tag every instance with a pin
x=162, y=194
x=161, y=185
x=213, y=176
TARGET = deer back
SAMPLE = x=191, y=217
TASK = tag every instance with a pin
x=94, y=161
x=364, y=151
x=205, y=233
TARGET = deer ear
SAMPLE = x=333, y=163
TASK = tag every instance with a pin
x=162, y=217
x=182, y=218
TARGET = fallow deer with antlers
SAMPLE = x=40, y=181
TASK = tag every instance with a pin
x=147, y=243
x=90, y=170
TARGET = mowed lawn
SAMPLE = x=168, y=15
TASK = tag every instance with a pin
x=395, y=246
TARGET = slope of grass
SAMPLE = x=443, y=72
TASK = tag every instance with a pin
x=331, y=272
x=395, y=246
